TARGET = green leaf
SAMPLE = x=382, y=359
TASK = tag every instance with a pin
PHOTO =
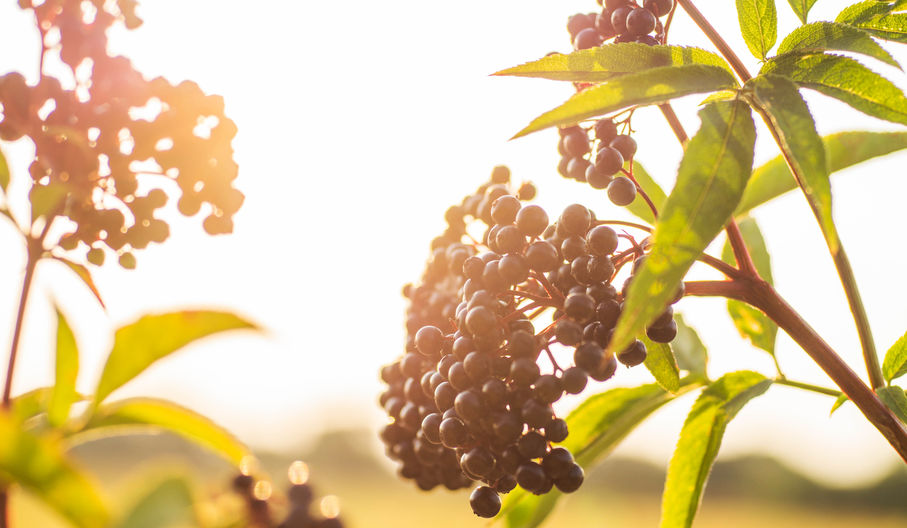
x=67, y=370
x=4, y=173
x=30, y=404
x=700, y=439
x=801, y=8
x=895, y=363
x=596, y=427
x=691, y=354
x=878, y=18
x=138, y=345
x=894, y=398
x=39, y=465
x=167, y=503
x=661, y=363
x=845, y=79
x=750, y=322
x=45, y=198
x=655, y=192
x=821, y=36
x=712, y=175
x=125, y=416
x=843, y=149
x=785, y=111
x=841, y=400
x=83, y=273
x=642, y=88
x=612, y=60
x=758, y=24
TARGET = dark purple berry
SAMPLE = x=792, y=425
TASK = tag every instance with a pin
x=622, y=191
x=485, y=502
x=640, y=22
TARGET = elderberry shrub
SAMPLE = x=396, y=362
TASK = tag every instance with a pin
x=470, y=400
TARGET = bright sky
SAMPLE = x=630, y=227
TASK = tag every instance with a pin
x=359, y=123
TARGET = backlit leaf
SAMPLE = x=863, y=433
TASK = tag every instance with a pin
x=894, y=398
x=83, y=273
x=4, y=173
x=689, y=350
x=801, y=8
x=879, y=18
x=167, y=503
x=639, y=207
x=821, y=36
x=758, y=24
x=895, y=363
x=66, y=370
x=661, y=363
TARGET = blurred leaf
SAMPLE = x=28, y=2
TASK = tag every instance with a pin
x=45, y=198
x=85, y=275
x=789, y=118
x=801, y=8
x=4, y=173
x=700, y=440
x=838, y=403
x=895, y=363
x=846, y=80
x=138, y=345
x=878, y=18
x=843, y=149
x=750, y=322
x=712, y=175
x=894, y=398
x=655, y=192
x=30, y=404
x=127, y=415
x=821, y=36
x=691, y=354
x=612, y=60
x=167, y=503
x=661, y=363
x=720, y=95
x=758, y=24
x=67, y=370
x=642, y=88
x=38, y=464
x=596, y=427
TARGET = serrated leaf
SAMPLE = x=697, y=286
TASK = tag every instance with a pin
x=846, y=80
x=878, y=18
x=66, y=371
x=654, y=86
x=689, y=350
x=138, y=345
x=4, y=173
x=895, y=363
x=894, y=398
x=700, y=439
x=167, y=503
x=750, y=322
x=843, y=150
x=710, y=181
x=841, y=400
x=39, y=465
x=655, y=192
x=83, y=273
x=790, y=120
x=612, y=60
x=801, y=8
x=759, y=25
x=661, y=363
x=596, y=427
x=821, y=36
x=125, y=416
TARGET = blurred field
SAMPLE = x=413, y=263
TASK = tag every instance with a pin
x=750, y=492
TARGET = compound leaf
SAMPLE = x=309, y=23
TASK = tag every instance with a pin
x=843, y=150
x=895, y=363
x=801, y=8
x=138, y=345
x=821, y=36
x=845, y=79
x=894, y=398
x=700, y=439
x=878, y=18
x=39, y=465
x=653, y=86
x=125, y=416
x=712, y=175
x=167, y=503
x=66, y=370
x=750, y=322
x=689, y=350
x=661, y=363
x=759, y=25
x=606, y=62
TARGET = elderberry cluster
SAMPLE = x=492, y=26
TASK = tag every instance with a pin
x=111, y=146
x=261, y=512
x=469, y=400
x=622, y=20
x=604, y=169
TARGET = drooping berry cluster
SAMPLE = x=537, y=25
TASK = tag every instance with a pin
x=111, y=147
x=622, y=20
x=604, y=170
x=258, y=496
x=469, y=400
